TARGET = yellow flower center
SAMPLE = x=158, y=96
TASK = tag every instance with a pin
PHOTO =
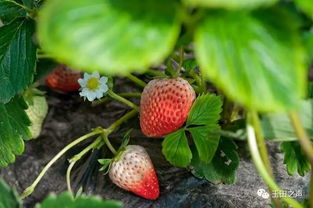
x=93, y=84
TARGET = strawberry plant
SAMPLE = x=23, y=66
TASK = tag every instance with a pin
x=209, y=74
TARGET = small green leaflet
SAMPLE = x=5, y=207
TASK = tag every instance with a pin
x=105, y=163
x=176, y=149
x=294, y=158
x=202, y=124
x=13, y=129
x=223, y=167
x=8, y=197
x=66, y=200
x=17, y=58
x=205, y=110
x=206, y=139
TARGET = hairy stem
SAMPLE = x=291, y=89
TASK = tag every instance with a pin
x=122, y=99
x=109, y=145
x=306, y=145
x=155, y=73
x=68, y=177
x=254, y=151
x=181, y=58
x=123, y=94
x=31, y=188
x=121, y=120
x=136, y=80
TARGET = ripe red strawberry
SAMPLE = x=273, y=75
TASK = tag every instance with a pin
x=134, y=171
x=165, y=105
x=63, y=79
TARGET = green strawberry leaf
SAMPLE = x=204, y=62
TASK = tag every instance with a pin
x=205, y=110
x=223, y=166
x=176, y=150
x=65, y=200
x=294, y=158
x=90, y=35
x=13, y=129
x=206, y=139
x=17, y=57
x=278, y=126
x=261, y=64
x=229, y=4
x=105, y=164
x=9, y=10
x=8, y=197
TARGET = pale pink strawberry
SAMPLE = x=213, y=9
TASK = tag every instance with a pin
x=134, y=171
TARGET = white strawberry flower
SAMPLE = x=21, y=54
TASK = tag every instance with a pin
x=93, y=86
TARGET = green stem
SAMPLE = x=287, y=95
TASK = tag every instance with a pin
x=194, y=75
x=77, y=157
x=123, y=94
x=68, y=177
x=260, y=141
x=31, y=188
x=109, y=145
x=44, y=56
x=136, y=80
x=303, y=137
x=203, y=84
x=262, y=169
x=306, y=145
x=262, y=148
x=123, y=100
x=121, y=120
x=155, y=73
x=181, y=58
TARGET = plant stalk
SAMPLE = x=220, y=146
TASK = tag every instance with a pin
x=121, y=120
x=31, y=188
x=136, y=80
x=253, y=147
x=109, y=145
x=155, y=73
x=255, y=121
x=123, y=94
x=123, y=100
x=306, y=145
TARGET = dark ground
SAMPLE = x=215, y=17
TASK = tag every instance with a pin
x=69, y=117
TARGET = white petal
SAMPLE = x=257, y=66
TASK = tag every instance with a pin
x=96, y=75
x=84, y=92
x=99, y=94
x=104, y=88
x=103, y=80
x=91, y=96
x=82, y=82
x=86, y=76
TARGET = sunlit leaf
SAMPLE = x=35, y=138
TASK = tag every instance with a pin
x=109, y=36
x=254, y=58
